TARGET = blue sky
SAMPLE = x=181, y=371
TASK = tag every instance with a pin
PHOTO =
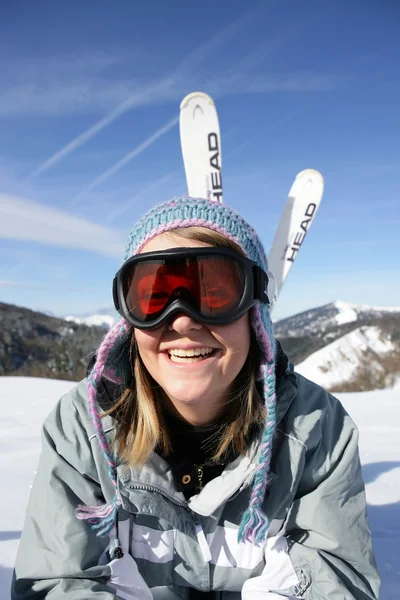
x=89, y=95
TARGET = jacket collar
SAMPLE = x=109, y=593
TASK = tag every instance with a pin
x=156, y=476
x=286, y=383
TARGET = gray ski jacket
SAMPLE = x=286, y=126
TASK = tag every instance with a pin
x=318, y=546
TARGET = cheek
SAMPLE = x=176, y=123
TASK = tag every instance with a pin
x=242, y=337
x=147, y=345
x=236, y=338
x=146, y=342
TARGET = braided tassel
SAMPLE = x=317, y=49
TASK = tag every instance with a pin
x=102, y=518
x=254, y=525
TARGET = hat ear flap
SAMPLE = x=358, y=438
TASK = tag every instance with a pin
x=117, y=367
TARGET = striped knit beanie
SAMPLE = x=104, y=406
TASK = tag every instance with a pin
x=111, y=360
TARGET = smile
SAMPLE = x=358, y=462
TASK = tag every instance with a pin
x=189, y=356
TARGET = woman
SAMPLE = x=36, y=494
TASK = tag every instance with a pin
x=193, y=462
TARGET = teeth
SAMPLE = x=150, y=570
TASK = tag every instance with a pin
x=187, y=359
x=189, y=353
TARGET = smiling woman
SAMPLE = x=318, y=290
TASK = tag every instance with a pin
x=193, y=462
x=195, y=366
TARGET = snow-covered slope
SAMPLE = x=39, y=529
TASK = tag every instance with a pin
x=341, y=360
x=25, y=402
x=377, y=415
x=342, y=346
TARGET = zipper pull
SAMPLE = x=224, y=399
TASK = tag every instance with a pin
x=115, y=550
x=200, y=472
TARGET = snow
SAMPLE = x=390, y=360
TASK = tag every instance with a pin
x=377, y=415
x=349, y=313
x=339, y=360
x=27, y=401
x=346, y=313
x=347, y=306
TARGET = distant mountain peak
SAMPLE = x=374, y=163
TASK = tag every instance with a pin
x=341, y=305
x=105, y=321
x=104, y=317
x=344, y=306
x=347, y=312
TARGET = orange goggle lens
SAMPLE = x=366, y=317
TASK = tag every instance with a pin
x=212, y=285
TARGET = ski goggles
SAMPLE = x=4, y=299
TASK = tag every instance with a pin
x=213, y=285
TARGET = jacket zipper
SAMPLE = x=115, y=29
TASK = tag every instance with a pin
x=149, y=488
x=199, y=468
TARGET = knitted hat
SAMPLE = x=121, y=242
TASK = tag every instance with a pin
x=112, y=360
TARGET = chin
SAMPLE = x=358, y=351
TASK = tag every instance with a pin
x=186, y=397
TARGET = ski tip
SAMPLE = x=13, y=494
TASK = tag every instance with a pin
x=197, y=96
x=313, y=173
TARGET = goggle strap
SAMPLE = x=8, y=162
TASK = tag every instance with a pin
x=115, y=293
x=260, y=285
x=271, y=277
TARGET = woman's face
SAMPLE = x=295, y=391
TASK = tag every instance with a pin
x=197, y=388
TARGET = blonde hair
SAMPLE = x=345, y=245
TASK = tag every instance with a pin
x=140, y=426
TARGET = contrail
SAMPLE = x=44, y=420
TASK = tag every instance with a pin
x=187, y=66
x=128, y=157
x=84, y=137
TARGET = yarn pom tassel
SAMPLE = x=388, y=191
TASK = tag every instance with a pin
x=102, y=518
x=254, y=526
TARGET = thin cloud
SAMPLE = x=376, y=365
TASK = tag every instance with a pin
x=298, y=82
x=7, y=283
x=248, y=83
x=147, y=94
x=239, y=147
x=261, y=55
x=28, y=68
x=46, y=286
x=138, y=197
x=22, y=219
x=60, y=85
x=72, y=96
x=126, y=159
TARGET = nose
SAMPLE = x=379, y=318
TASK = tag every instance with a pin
x=182, y=324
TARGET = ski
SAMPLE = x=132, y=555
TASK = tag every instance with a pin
x=201, y=146
x=301, y=207
x=201, y=150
